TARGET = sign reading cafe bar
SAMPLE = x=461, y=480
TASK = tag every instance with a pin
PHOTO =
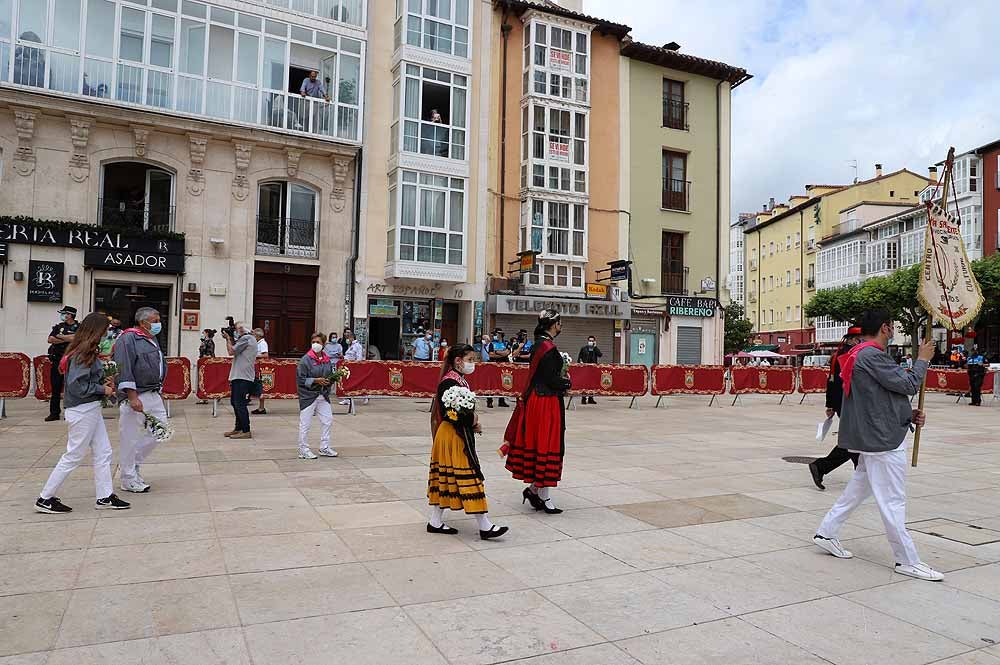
x=108, y=250
x=688, y=306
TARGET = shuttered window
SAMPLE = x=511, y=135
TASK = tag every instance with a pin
x=688, y=345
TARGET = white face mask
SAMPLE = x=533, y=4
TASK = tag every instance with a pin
x=468, y=368
x=317, y=347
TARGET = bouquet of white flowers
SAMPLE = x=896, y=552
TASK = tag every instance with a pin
x=161, y=431
x=109, y=369
x=339, y=375
x=567, y=359
x=458, y=400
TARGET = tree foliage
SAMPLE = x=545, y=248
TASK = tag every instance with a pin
x=738, y=328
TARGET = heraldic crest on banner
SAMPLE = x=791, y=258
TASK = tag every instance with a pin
x=607, y=380
x=396, y=378
x=762, y=379
x=507, y=379
x=948, y=289
x=942, y=380
x=689, y=378
x=267, y=378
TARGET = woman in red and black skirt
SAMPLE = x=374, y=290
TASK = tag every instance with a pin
x=535, y=440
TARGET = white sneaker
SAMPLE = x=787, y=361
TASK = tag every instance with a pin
x=140, y=478
x=307, y=454
x=921, y=571
x=328, y=452
x=133, y=485
x=833, y=546
x=345, y=402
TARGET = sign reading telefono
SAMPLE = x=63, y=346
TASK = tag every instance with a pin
x=566, y=306
x=688, y=306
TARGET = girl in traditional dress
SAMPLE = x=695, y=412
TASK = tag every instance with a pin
x=535, y=440
x=456, y=479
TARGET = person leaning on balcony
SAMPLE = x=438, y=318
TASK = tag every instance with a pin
x=313, y=87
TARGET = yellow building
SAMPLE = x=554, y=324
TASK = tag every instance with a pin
x=781, y=244
x=676, y=187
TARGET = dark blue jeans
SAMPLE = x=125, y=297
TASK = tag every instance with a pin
x=239, y=398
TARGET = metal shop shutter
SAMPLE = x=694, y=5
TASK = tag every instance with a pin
x=688, y=345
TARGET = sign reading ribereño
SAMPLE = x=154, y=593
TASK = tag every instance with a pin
x=688, y=306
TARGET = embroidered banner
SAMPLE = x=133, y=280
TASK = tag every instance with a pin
x=688, y=380
x=43, y=387
x=177, y=384
x=955, y=381
x=948, y=290
x=762, y=380
x=277, y=375
x=609, y=380
x=813, y=379
x=15, y=375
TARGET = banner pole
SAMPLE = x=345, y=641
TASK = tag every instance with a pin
x=929, y=330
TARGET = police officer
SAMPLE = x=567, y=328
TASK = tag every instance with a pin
x=976, y=367
x=59, y=339
x=499, y=353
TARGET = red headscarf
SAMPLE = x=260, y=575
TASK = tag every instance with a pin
x=847, y=364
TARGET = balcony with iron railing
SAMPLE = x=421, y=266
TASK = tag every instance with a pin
x=674, y=283
x=280, y=236
x=676, y=195
x=810, y=283
x=135, y=215
x=675, y=114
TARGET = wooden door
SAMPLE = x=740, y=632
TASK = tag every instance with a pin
x=284, y=305
x=449, y=322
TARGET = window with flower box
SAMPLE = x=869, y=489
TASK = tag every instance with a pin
x=426, y=218
x=435, y=25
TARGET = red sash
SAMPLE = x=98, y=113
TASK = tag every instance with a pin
x=517, y=417
x=847, y=364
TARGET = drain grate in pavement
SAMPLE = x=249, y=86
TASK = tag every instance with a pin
x=799, y=460
x=960, y=532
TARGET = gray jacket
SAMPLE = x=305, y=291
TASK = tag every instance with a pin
x=877, y=413
x=308, y=370
x=244, y=353
x=141, y=366
x=83, y=384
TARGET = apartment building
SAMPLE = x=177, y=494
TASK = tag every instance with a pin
x=200, y=169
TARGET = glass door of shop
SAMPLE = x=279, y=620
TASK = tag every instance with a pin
x=122, y=301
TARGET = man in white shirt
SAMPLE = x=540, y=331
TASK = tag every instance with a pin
x=262, y=353
x=354, y=351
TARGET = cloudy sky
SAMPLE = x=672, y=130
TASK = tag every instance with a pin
x=890, y=81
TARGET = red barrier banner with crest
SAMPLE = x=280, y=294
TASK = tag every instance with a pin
x=43, y=386
x=813, y=379
x=609, y=380
x=277, y=376
x=177, y=383
x=688, y=380
x=955, y=381
x=762, y=380
x=15, y=375
x=403, y=378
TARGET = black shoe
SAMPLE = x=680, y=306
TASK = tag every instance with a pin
x=817, y=476
x=593, y=401
x=444, y=528
x=52, y=417
x=52, y=506
x=494, y=532
x=489, y=404
x=532, y=498
x=259, y=412
x=550, y=511
x=503, y=403
x=112, y=502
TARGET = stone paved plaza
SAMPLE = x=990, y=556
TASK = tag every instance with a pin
x=686, y=540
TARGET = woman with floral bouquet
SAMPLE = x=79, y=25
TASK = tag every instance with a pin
x=315, y=376
x=535, y=440
x=456, y=480
x=87, y=384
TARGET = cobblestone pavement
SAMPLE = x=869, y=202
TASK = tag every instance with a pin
x=686, y=540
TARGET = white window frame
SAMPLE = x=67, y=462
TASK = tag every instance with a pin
x=573, y=170
x=548, y=275
x=304, y=251
x=420, y=182
x=457, y=127
x=420, y=13
x=533, y=236
x=573, y=84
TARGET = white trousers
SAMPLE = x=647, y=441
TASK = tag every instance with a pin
x=884, y=477
x=322, y=409
x=137, y=442
x=86, y=432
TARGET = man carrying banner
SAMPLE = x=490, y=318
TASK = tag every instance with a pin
x=874, y=422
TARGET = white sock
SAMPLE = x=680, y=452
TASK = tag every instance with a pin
x=484, y=522
x=543, y=493
x=437, y=517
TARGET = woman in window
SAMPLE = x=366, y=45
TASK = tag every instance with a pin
x=455, y=479
x=535, y=440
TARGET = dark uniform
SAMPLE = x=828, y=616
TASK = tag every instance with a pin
x=834, y=400
x=976, y=367
x=56, y=352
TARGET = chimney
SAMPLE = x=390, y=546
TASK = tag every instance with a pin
x=932, y=173
x=770, y=204
x=764, y=208
x=878, y=170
